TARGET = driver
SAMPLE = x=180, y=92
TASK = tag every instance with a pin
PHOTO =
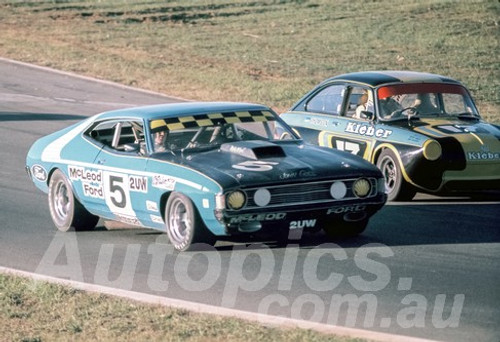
x=423, y=104
x=159, y=141
x=160, y=132
x=388, y=106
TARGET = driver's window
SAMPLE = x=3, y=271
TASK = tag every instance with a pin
x=128, y=137
x=328, y=100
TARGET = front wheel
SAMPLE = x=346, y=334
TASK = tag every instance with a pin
x=65, y=210
x=396, y=187
x=185, y=229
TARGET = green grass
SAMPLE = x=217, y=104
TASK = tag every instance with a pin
x=270, y=51
x=37, y=311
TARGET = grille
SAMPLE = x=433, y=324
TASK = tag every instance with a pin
x=305, y=193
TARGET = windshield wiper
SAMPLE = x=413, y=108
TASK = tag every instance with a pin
x=467, y=116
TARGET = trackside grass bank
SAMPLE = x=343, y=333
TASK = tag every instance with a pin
x=269, y=51
x=37, y=311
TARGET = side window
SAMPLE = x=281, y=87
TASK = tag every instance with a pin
x=102, y=132
x=123, y=136
x=328, y=100
x=360, y=99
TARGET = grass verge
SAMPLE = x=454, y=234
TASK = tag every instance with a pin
x=268, y=51
x=38, y=311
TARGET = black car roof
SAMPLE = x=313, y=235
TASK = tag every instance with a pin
x=377, y=78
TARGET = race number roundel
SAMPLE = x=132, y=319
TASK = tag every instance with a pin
x=117, y=193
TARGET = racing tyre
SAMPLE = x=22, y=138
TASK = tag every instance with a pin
x=185, y=229
x=65, y=210
x=396, y=187
x=343, y=229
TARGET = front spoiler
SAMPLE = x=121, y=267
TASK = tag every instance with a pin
x=302, y=217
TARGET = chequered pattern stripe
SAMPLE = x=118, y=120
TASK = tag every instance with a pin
x=212, y=119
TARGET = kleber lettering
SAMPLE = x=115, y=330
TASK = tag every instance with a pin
x=483, y=156
x=367, y=130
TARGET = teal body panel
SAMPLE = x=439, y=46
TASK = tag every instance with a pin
x=48, y=163
x=119, y=187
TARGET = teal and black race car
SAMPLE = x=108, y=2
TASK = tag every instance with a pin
x=422, y=130
x=201, y=171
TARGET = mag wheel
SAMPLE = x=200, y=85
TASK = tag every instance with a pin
x=185, y=228
x=396, y=187
x=65, y=210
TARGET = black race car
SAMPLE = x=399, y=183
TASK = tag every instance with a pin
x=422, y=130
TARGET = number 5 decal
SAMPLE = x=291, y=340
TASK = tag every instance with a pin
x=255, y=165
x=117, y=193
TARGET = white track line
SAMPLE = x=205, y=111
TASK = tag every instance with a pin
x=220, y=311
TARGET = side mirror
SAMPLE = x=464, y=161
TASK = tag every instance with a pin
x=367, y=115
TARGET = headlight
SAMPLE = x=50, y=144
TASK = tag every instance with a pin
x=432, y=150
x=262, y=197
x=361, y=187
x=235, y=200
x=338, y=190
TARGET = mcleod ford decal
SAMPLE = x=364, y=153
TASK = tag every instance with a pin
x=93, y=184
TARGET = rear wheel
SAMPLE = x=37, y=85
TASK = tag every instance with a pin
x=395, y=185
x=65, y=210
x=341, y=228
x=185, y=228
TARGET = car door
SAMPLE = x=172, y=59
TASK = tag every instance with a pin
x=337, y=112
x=121, y=164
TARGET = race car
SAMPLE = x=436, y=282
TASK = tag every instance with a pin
x=422, y=130
x=201, y=171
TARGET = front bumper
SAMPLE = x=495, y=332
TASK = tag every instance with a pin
x=306, y=217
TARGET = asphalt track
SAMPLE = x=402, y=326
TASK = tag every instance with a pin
x=428, y=269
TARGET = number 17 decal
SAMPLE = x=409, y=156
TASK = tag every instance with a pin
x=117, y=193
x=329, y=140
x=347, y=146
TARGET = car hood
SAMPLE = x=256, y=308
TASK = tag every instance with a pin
x=256, y=163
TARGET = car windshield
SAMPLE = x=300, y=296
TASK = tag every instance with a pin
x=425, y=100
x=212, y=130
